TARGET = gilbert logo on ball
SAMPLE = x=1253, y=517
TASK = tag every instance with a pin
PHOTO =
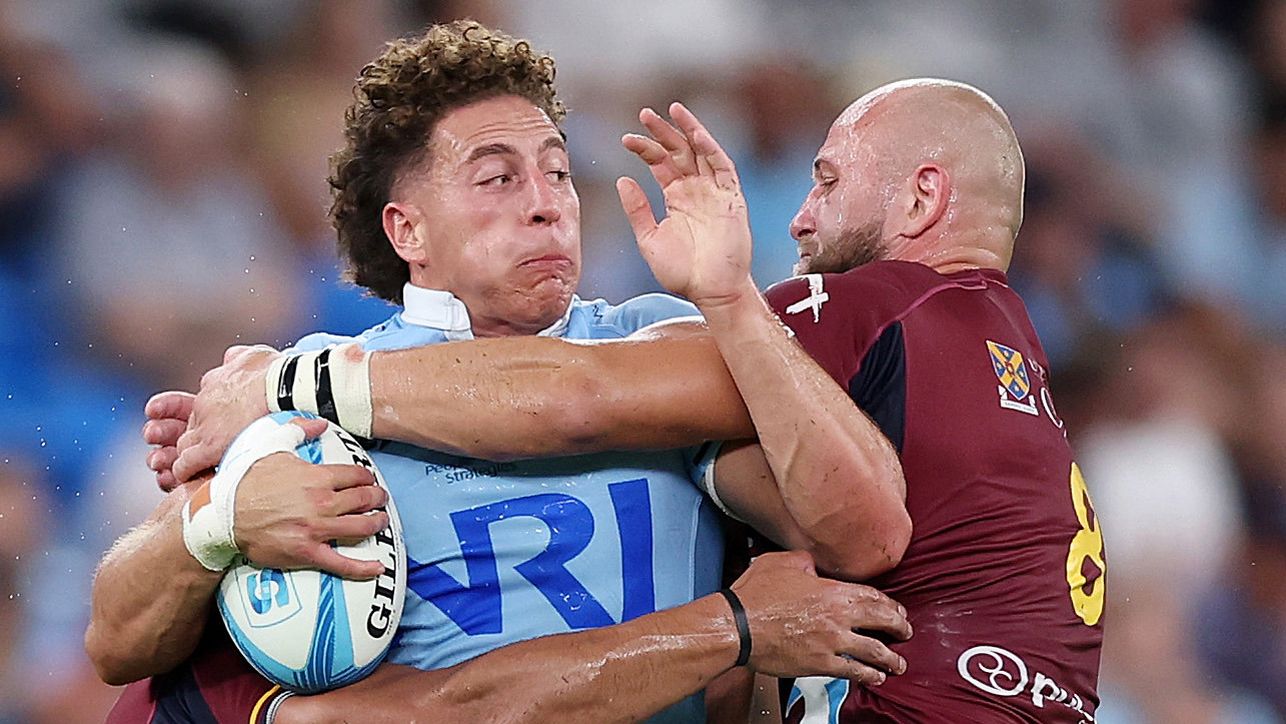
x=307, y=630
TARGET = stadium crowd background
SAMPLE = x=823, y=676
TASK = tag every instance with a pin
x=162, y=196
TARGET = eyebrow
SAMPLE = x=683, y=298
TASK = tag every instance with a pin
x=504, y=149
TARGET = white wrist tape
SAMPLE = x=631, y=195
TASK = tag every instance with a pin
x=707, y=483
x=208, y=516
x=328, y=383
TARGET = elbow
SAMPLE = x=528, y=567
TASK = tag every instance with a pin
x=876, y=549
x=104, y=654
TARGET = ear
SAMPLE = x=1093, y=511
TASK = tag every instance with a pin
x=924, y=200
x=403, y=227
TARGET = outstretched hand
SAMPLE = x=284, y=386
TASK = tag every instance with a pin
x=701, y=248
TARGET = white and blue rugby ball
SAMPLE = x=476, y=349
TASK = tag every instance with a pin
x=307, y=630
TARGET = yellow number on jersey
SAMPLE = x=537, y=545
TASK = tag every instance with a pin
x=1087, y=585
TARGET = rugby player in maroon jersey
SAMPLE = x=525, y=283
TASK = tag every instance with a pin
x=903, y=244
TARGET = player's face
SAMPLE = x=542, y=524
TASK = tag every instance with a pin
x=501, y=219
x=840, y=224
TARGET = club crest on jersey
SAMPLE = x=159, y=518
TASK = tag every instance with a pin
x=1015, y=383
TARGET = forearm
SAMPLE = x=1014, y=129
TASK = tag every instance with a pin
x=150, y=599
x=535, y=397
x=839, y=477
x=621, y=673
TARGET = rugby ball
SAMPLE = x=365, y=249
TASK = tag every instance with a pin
x=308, y=630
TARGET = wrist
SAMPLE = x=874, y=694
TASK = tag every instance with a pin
x=742, y=622
x=209, y=516
x=334, y=383
x=719, y=627
x=728, y=300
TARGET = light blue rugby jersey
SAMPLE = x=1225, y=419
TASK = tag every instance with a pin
x=503, y=552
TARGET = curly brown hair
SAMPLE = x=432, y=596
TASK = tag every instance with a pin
x=398, y=100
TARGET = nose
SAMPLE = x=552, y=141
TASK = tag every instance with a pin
x=803, y=224
x=543, y=201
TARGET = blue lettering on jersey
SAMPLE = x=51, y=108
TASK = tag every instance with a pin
x=476, y=607
x=633, y=507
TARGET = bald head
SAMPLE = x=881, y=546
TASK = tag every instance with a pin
x=922, y=170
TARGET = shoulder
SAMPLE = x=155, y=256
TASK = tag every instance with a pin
x=321, y=340
x=881, y=283
x=843, y=314
x=638, y=312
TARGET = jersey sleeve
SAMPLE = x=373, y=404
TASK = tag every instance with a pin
x=648, y=309
x=851, y=324
x=835, y=317
x=214, y=686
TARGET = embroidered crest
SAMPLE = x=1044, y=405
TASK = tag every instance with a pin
x=1015, y=382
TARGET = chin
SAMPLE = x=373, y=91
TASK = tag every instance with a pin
x=548, y=300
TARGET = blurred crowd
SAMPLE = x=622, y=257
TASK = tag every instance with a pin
x=163, y=195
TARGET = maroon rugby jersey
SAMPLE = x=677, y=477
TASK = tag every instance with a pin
x=1003, y=578
x=214, y=686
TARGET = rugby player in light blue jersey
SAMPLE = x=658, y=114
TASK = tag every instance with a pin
x=454, y=199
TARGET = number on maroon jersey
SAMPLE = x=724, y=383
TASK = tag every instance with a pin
x=1085, y=566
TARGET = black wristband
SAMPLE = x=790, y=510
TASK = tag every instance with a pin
x=321, y=381
x=743, y=625
x=286, y=384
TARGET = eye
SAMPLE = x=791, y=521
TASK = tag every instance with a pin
x=500, y=180
x=560, y=176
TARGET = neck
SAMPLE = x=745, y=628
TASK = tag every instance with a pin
x=949, y=253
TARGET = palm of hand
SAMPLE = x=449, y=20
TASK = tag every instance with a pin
x=702, y=248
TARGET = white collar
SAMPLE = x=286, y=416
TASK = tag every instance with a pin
x=438, y=309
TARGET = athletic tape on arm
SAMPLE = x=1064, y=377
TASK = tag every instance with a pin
x=326, y=383
x=209, y=515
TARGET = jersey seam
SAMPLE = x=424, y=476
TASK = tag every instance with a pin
x=915, y=305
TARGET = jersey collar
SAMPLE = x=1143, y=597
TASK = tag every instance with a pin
x=442, y=310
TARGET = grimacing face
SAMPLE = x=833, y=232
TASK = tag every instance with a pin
x=499, y=218
x=841, y=222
